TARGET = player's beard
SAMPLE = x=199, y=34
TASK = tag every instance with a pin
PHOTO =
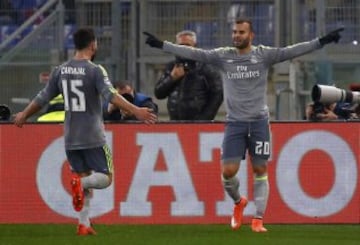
x=243, y=44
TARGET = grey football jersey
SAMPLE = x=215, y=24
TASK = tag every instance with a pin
x=82, y=83
x=244, y=76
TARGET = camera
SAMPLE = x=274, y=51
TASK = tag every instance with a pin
x=4, y=113
x=318, y=108
x=330, y=94
x=128, y=97
x=323, y=96
x=186, y=63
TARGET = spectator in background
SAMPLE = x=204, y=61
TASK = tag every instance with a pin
x=321, y=112
x=317, y=111
x=112, y=113
x=55, y=111
x=193, y=89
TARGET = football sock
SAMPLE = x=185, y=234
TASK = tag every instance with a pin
x=261, y=194
x=231, y=186
x=95, y=181
x=84, y=213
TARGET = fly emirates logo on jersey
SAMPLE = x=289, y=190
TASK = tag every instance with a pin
x=243, y=72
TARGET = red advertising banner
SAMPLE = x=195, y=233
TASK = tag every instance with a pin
x=170, y=173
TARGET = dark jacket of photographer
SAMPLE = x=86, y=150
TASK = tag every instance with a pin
x=196, y=96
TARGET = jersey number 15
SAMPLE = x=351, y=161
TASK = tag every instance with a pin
x=74, y=98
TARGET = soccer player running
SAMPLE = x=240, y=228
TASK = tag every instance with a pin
x=82, y=83
x=244, y=69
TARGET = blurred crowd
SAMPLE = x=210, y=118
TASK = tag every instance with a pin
x=193, y=90
x=15, y=12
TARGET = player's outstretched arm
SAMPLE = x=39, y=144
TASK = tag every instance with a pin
x=333, y=36
x=21, y=117
x=153, y=41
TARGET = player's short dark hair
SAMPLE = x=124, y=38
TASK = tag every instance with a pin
x=245, y=20
x=122, y=84
x=83, y=37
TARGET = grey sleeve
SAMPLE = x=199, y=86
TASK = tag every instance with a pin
x=50, y=91
x=103, y=84
x=276, y=55
x=206, y=56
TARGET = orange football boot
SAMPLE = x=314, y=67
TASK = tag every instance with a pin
x=236, y=219
x=77, y=193
x=82, y=230
x=257, y=225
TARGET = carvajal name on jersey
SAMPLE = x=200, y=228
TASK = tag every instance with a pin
x=73, y=70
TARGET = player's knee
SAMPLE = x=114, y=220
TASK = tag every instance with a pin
x=260, y=170
x=259, y=165
x=227, y=174
x=103, y=180
x=229, y=170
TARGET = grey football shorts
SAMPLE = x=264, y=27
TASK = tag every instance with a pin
x=240, y=137
x=94, y=159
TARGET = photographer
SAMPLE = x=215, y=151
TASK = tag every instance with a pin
x=318, y=111
x=193, y=89
x=332, y=103
x=124, y=88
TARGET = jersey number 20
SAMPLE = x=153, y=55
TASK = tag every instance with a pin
x=74, y=99
x=262, y=148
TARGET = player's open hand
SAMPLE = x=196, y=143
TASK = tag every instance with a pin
x=153, y=41
x=19, y=119
x=146, y=115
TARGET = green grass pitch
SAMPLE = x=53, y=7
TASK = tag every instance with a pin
x=53, y=234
